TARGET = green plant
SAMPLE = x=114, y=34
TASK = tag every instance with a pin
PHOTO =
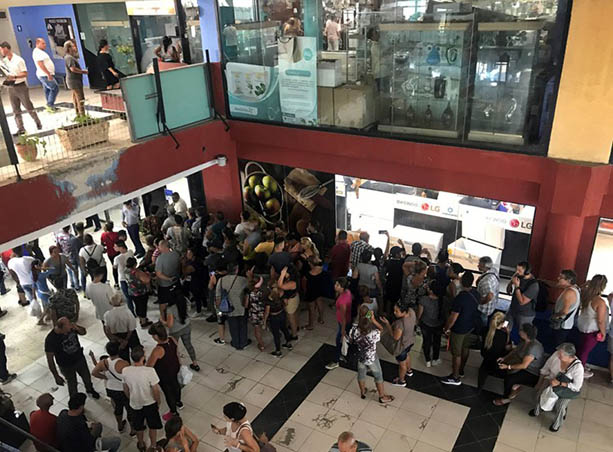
x=29, y=141
x=127, y=51
x=85, y=119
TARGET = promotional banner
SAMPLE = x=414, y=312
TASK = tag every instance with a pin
x=292, y=197
x=253, y=91
x=298, y=80
x=59, y=30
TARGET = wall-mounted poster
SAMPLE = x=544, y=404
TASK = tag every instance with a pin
x=59, y=30
x=292, y=197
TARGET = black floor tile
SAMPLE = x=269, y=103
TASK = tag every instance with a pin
x=465, y=437
x=483, y=427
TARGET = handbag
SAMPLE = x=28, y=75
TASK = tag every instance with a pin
x=556, y=322
x=393, y=346
x=36, y=309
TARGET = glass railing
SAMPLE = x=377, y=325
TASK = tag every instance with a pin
x=483, y=75
x=111, y=120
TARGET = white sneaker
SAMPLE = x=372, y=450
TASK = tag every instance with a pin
x=587, y=373
x=331, y=366
x=436, y=362
x=428, y=363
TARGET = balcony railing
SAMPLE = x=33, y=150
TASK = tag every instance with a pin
x=146, y=106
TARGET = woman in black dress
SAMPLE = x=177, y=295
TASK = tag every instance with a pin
x=106, y=65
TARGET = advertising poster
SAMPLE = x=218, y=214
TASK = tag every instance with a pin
x=279, y=195
x=253, y=91
x=59, y=30
x=298, y=80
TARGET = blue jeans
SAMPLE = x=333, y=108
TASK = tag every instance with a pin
x=74, y=277
x=339, y=340
x=375, y=368
x=134, y=236
x=110, y=443
x=50, y=88
x=124, y=289
x=29, y=291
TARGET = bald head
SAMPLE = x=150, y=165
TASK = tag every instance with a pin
x=364, y=236
x=164, y=246
x=44, y=401
x=347, y=442
x=41, y=44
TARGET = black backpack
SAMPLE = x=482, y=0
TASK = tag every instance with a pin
x=91, y=265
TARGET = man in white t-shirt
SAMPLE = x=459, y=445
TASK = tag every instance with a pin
x=92, y=253
x=120, y=264
x=120, y=327
x=141, y=385
x=21, y=270
x=45, y=72
x=100, y=293
x=18, y=90
x=179, y=205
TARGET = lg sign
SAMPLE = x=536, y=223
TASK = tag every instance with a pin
x=515, y=223
x=426, y=206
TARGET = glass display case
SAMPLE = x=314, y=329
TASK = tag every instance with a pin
x=503, y=98
x=254, y=42
x=423, y=68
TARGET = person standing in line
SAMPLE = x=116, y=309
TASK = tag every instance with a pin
x=567, y=304
x=402, y=330
x=343, y=317
x=18, y=89
x=164, y=358
x=45, y=72
x=43, y=424
x=168, y=272
x=288, y=282
x=279, y=259
x=5, y=376
x=75, y=243
x=460, y=328
x=120, y=264
x=238, y=432
x=120, y=327
x=107, y=66
x=429, y=318
x=108, y=239
x=487, y=286
x=138, y=288
x=179, y=327
x=110, y=370
x=357, y=247
x=179, y=438
x=236, y=287
x=100, y=294
x=130, y=218
x=64, y=240
x=59, y=265
x=43, y=292
x=141, y=385
x=21, y=271
x=496, y=345
x=524, y=288
x=62, y=345
x=179, y=205
x=274, y=312
x=91, y=258
x=593, y=320
x=74, y=76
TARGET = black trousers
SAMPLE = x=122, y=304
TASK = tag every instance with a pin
x=519, y=378
x=432, y=341
x=238, y=331
x=4, y=373
x=489, y=367
x=140, y=305
x=278, y=325
x=70, y=373
x=172, y=392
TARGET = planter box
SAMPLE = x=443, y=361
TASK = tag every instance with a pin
x=79, y=136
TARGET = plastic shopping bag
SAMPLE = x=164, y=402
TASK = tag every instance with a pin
x=36, y=309
x=548, y=399
x=344, y=346
x=185, y=375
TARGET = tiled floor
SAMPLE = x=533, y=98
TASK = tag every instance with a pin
x=303, y=407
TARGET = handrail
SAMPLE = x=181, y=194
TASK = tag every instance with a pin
x=28, y=435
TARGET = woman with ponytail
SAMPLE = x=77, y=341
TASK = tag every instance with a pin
x=495, y=345
x=180, y=327
x=593, y=319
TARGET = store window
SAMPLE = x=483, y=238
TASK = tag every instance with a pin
x=600, y=263
x=477, y=73
x=467, y=227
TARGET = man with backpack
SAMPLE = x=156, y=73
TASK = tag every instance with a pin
x=524, y=288
x=91, y=257
x=230, y=297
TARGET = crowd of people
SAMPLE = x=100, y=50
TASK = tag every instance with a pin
x=198, y=265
